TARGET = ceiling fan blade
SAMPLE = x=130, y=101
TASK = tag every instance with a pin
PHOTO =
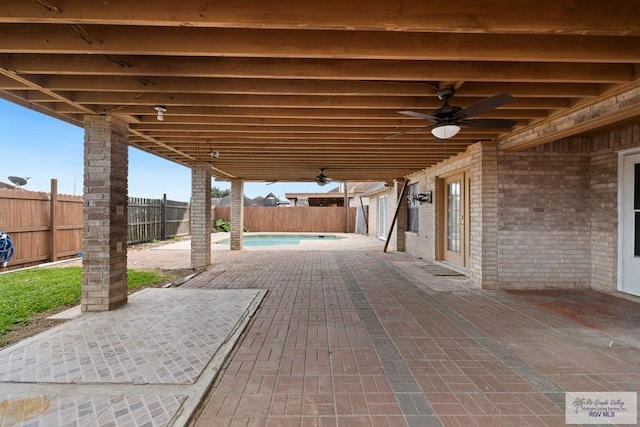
x=489, y=123
x=419, y=115
x=485, y=105
x=394, y=135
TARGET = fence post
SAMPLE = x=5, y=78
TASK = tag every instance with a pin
x=53, y=219
x=163, y=217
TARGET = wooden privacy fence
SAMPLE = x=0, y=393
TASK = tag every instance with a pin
x=293, y=220
x=42, y=227
x=156, y=219
x=47, y=227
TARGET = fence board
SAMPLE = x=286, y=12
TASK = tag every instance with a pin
x=156, y=219
x=293, y=220
x=26, y=216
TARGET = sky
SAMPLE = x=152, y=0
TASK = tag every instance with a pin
x=41, y=147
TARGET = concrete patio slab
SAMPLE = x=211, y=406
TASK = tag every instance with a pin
x=147, y=363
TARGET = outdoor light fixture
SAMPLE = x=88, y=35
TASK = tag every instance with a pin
x=421, y=197
x=161, y=109
x=445, y=131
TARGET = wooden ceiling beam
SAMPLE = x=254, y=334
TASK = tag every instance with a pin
x=377, y=143
x=291, y=116
x=337, y=69
x=198, y=114
x=472, y=16
x=132, y=101
x=217, y=85
x=287, y=132
x=412, y=155
x=388, y=45
x=312, y=134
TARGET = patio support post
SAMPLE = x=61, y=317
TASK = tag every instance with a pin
x=401, y=225
x=200, y=215
x=237, y=213
x=104, y=262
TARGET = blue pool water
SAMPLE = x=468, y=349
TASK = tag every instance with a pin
x=281, y=239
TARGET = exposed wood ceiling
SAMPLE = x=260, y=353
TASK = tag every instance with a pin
x=281, y=89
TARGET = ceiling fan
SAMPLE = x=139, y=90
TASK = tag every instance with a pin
x=448, y=119
x=322, y=179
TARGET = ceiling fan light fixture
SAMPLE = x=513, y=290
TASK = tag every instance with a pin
x=445, y=131
x=160, y=109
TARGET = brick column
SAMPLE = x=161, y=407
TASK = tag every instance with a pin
x=401, y=222
x=104, y=263
x=237, y=213
x=483, y=263
x=200, y=215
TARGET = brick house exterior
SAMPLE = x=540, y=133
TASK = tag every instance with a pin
x=544, y=217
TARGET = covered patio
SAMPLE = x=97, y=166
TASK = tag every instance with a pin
x=358, y=338
x=349, y=337
x=539, y=189
x=354, y=91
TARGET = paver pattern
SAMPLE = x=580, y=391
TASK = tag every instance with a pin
x=351, y=337
x=130, y=367
x=356, y=338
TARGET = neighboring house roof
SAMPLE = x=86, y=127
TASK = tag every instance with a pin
x=226, y=201
x=353, y=189
x=362, y=188
x=14, y=187
x=258, y=201
x=378, y=188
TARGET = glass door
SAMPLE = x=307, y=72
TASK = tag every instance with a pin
x=629, y=231
x=454, y=224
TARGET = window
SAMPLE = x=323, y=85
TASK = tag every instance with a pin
x=412, y=208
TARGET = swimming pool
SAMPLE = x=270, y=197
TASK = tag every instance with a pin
x=281, y=239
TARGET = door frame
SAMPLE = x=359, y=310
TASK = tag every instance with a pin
x=622, y=156
x=465, y=199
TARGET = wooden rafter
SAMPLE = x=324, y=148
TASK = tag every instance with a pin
x=283, y=88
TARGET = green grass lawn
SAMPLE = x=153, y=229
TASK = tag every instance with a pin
x=28, y=292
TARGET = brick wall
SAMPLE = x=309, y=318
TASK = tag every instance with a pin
x=604, y=204
x=544, y=226
x=417, y=243
x=543, y=217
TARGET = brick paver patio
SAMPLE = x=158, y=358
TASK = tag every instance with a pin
x=362, y=338
x=343, y=337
